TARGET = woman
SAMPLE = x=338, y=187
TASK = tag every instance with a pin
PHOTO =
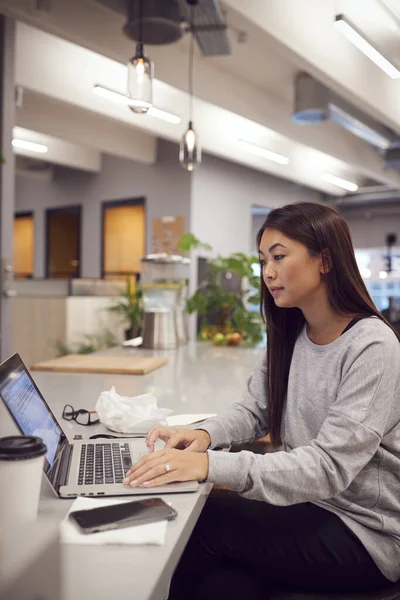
x=327, y=392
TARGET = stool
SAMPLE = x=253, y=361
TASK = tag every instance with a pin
x=388, y=593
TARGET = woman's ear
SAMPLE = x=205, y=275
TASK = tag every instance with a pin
x=326, y=261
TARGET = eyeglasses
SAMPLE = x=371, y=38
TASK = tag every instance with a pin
x=81, y=416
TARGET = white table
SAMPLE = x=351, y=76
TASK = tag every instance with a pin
x=197, y=378
x=125, y=572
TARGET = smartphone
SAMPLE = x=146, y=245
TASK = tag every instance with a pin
x=125, y=514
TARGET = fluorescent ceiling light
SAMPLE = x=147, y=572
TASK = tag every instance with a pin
x=264, y=153
x=164, y=115
x=158, y=113
x=351, y=33
x=99, y=90
x=346, y=185
x=32, y=146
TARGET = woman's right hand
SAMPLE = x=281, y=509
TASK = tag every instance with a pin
x=193, y=440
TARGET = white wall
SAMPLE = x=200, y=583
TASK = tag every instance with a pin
x=256, y=223
x=216, y=200
x=370, y=224
x=165, y=185
x=222, y=196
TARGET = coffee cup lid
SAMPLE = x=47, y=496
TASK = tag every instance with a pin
x=21, y=447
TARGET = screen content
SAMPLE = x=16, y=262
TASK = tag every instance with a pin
x=29, y=410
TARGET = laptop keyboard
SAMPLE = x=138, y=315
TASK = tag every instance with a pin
x=103, y=463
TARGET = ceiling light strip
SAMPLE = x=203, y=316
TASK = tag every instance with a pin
x=342, y=183
x=360, y=42
x=264, y=153
x=31, y=146
x=104, y=92
x=158, y=113
x=164, y=115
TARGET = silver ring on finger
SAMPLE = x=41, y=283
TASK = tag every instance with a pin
x=167, y=467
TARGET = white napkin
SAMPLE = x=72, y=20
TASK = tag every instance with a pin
x=180, y=420
x=151, y=533
x=125, y=414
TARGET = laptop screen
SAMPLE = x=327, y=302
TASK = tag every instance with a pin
x=27, y=406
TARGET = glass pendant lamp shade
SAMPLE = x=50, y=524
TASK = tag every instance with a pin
x=189, y=151
x=140, y=81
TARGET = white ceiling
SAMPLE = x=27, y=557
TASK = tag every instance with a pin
x=304, y=30
x=257, y=61
x=247, y=95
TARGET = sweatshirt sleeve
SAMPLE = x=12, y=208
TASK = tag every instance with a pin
x=346, y=442
x=247, y=419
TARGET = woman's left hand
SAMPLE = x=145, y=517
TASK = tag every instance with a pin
x=167, y=466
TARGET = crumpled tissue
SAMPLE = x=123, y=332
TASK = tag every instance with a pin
x=125, y=414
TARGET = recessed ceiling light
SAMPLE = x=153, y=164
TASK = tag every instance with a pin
x=358, y=40
x=158, y=113
x=32, y=146
x=383, y=275
x=264, y=153
x=342, y=183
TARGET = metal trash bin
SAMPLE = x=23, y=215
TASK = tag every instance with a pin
x=160, y=330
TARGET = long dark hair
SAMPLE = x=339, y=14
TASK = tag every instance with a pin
x=322, y=230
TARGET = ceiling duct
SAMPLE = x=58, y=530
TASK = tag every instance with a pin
x=210, y=29
x=315, y=103
x=166, y=21
x=388, y=197
x=392, y=158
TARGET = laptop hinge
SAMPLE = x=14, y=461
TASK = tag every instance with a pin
x=59, y=471
x=65, y=465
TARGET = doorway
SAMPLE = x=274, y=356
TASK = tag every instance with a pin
x=258, y=216
x=23, y=245
x=123, y=239
x=63, y=242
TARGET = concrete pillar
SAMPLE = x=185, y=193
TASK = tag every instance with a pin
x=7, y=178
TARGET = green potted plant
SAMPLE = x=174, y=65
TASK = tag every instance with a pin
x=90, y=343
x=130, y=309
x=233, y=319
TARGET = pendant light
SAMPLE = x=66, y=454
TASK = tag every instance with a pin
x=189, y=150
x=140, y=75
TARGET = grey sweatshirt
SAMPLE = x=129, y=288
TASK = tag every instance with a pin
x=340, y=432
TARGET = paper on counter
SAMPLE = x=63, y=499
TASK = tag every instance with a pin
x=180, y=420
x=137, y=341
x=151, y=533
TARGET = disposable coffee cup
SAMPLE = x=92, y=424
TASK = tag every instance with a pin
x=21, y=467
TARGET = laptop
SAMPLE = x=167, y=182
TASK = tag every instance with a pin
x=78, y=468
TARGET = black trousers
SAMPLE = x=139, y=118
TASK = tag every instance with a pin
x=242, y=548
